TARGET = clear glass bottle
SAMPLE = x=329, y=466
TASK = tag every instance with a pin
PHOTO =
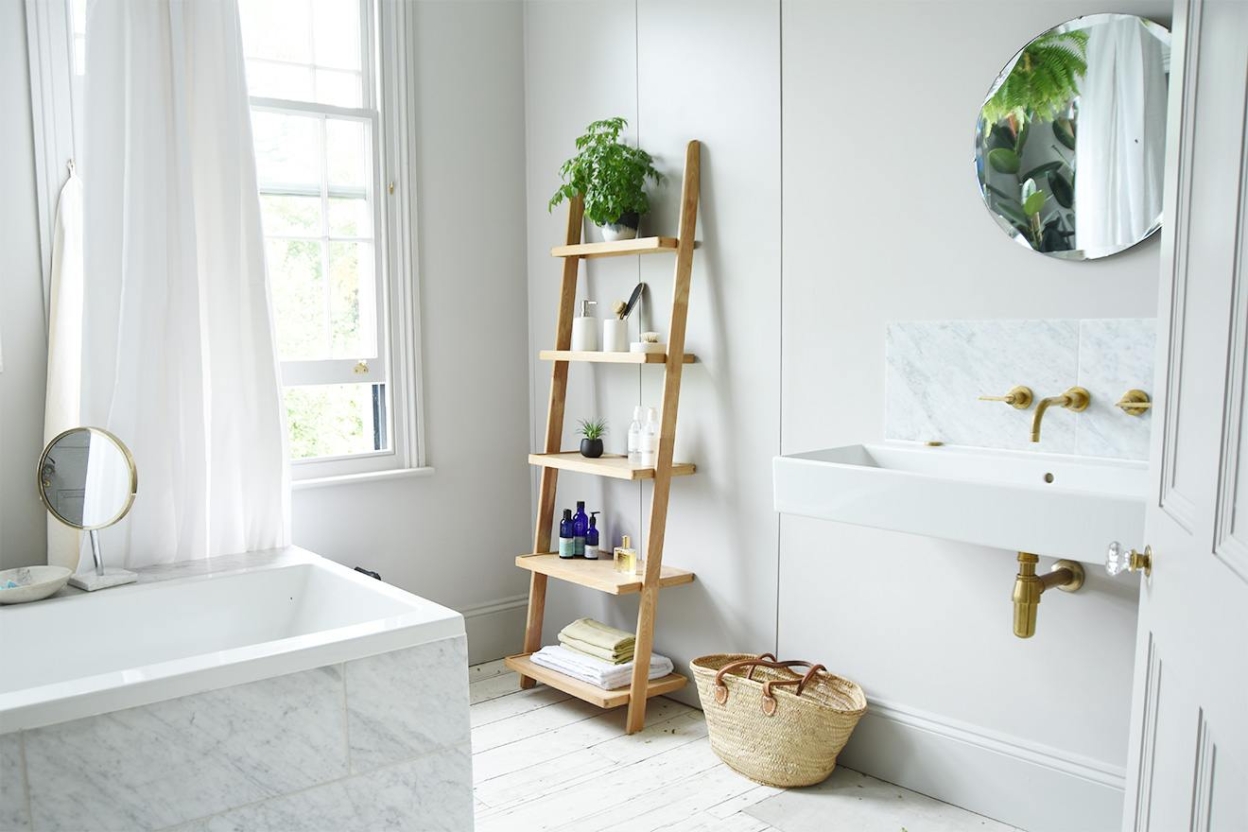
x=625, y=557
x=634, y=437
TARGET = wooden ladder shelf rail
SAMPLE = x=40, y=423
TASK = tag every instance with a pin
x=654, y=576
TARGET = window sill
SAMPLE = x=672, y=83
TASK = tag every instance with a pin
x=370, y=476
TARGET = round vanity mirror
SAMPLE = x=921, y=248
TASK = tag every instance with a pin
x=1070, y=141
x=87, y=478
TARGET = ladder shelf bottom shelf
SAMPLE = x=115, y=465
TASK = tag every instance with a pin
x=584, y=691
x=597, y=574
x=615, y=466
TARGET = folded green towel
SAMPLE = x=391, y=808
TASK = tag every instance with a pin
x=614, y=657
x=600, y=635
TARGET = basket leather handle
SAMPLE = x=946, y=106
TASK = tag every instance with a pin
x=766, y=660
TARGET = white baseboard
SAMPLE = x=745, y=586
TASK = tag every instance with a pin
x=496, y=628
x=1025, y=784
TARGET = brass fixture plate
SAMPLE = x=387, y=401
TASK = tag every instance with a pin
x=1135, y=402
x=1080, y=398
x=1076, y=570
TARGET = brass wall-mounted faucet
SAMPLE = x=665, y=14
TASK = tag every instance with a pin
x=1076, y=399
x=1066, y=575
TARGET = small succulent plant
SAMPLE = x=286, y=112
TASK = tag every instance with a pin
x=592, y=428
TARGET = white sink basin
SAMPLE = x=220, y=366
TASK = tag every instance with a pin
x=1046, y=504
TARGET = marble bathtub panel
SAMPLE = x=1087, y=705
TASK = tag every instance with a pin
x=172, y=761
x=937, y=370
x=14, y=811
x=407, y=703
x=1115, y=355
x=431, y=794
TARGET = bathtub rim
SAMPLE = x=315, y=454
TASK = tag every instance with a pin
x=118, y=690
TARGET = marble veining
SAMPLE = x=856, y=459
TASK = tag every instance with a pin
x=936, y=370
x=407, y=703
x=425, y=794
x=169, y=762
x=14, y=808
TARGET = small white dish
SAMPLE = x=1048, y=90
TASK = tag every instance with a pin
x=34, y=583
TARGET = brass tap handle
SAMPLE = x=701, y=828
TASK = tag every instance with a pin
x=1117, y=561
x=1134, y=403
x=1019, y=398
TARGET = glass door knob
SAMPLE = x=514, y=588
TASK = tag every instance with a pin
x=1119, y=560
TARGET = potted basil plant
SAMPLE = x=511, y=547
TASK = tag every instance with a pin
x=611, y=177
x=592, y=430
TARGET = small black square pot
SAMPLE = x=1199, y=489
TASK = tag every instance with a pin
x=591, y=448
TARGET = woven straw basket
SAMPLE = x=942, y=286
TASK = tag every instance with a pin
x=776, y=726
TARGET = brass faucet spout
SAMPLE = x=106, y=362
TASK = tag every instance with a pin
x=1076, y=399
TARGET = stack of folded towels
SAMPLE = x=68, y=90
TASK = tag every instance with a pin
x=595, y=653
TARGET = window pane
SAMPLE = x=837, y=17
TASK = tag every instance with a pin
x=346, y=152
x=350, y=217
x=342, y=89
x=267, y=79
x=288, y=149
x=277, y=29
x=297, y=216
x=335, y=419
x=299, y=299
x=352, y=283
x=336, y=33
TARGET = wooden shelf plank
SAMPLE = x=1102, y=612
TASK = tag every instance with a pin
x=597, y=574
x=608, y=465
x=523, y=665
x=611, y=357
x=619, y=248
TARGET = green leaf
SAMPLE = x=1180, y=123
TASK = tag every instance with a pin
x=1000, y=136
x=1064, y=132
x=1040, y=170
x=1063, y=191
x=1011, y=212
x=1003, y=160
x=1023, y=132
x=1034, y=203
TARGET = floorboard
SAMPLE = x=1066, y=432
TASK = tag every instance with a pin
x=545, y=761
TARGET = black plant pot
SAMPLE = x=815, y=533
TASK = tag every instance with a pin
x=591, y=448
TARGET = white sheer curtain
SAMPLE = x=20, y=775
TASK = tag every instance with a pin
x=179, y=356
x=1120, y=149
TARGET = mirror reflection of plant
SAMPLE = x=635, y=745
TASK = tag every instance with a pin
x=1043, y=81
x=1025, y=208
x=610, y=175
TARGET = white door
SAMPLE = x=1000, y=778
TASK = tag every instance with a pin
x=1188, y=763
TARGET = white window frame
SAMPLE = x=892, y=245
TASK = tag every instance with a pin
x=386, y=27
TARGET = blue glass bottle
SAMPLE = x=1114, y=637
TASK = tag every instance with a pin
x=580, y=527
x=591, y=537
x=566, y=543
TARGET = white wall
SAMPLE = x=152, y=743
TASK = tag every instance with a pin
x=676, y=71
x=22, y=336
x=450, y=537
x=879, y=114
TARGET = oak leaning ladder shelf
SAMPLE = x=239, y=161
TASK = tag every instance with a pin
x=600, y=575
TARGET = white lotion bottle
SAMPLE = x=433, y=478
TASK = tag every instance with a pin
x=634, y=438
x=585, y=329
x=650, y=439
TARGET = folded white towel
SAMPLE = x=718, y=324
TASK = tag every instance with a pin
x=593, y=671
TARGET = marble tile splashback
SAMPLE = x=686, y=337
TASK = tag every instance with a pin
x=936, y=370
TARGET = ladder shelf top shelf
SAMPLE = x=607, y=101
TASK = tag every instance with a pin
x=525, y=666
x=618, y=248
x=615, y=466
x=611, y=357
x=597, y=574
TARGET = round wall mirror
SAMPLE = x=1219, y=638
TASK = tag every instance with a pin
x=87, y=478
x=1071, y=139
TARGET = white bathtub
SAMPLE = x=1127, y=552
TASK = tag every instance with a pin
x=82, y=655
x=275, y=690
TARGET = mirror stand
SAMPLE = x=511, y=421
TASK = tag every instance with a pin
x=101, y=577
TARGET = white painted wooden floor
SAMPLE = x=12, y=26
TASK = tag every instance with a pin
x=543, y=760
